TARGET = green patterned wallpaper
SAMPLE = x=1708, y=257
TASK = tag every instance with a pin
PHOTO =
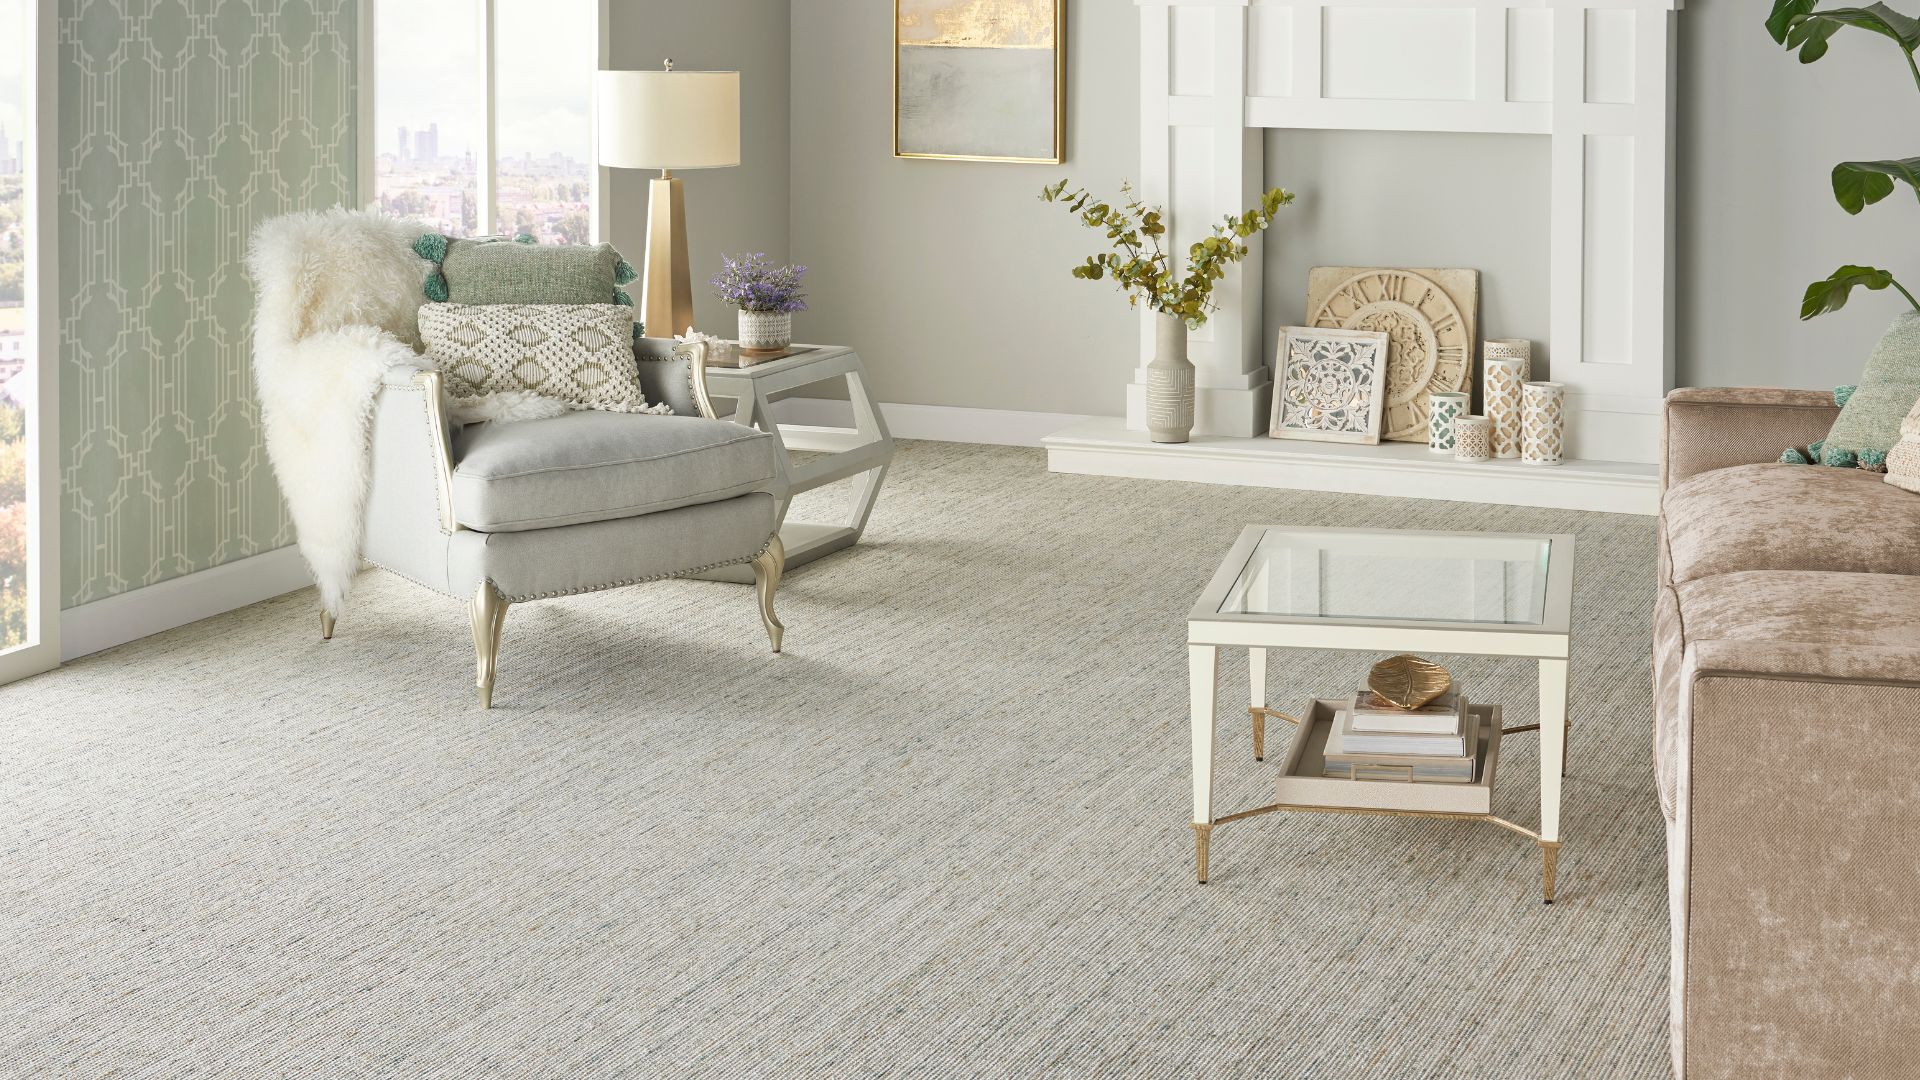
x=183, y=123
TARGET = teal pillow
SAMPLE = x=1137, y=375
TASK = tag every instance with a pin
x=494, y=271
x=1870, y=418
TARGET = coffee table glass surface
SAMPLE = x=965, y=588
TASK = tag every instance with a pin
x=1362, y=576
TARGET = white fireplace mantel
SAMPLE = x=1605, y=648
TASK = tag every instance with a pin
x=1594, y=76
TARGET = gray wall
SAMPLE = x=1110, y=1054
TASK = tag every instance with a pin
x=728, y=210
x=1758, y=134
x=952, y=278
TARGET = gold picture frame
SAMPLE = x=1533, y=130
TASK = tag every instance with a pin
x=1059, y=54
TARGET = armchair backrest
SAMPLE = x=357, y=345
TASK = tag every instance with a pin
x=327, y=269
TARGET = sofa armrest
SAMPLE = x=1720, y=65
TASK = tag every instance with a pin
x=1796, y=934
x=1711, y=428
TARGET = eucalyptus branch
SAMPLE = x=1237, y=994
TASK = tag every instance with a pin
x=1140, y=264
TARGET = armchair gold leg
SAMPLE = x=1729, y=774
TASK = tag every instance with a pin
x=766, y=578
x=326, y=626
x=489, y=616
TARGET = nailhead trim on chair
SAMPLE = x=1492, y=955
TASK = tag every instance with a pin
x=641, y=580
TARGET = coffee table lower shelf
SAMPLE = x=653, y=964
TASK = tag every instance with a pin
x=1304, y=788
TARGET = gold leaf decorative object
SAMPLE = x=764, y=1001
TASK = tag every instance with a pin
x=1408, y=681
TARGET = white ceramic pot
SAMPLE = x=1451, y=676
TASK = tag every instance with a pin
x=1444, y=409
x=1170, y=383
x=1472, y=439
x=1543, y=423
x=765, y=329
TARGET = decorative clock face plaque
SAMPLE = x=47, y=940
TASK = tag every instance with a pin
x=1429, y=317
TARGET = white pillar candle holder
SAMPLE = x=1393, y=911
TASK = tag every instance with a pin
x=1511, y=348
x=1502, y=401
x=1444, y=410
x=1472, y=439
x=1543, y=423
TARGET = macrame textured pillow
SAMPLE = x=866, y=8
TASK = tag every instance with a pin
x=1903, y=461
x=581, y=354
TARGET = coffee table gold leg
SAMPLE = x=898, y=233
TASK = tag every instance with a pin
x=1549, y=862
x=1201, y=835
x=1259, y=735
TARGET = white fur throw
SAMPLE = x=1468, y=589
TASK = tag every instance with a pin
x=338, y=292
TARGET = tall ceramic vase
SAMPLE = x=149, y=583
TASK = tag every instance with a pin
x=1501, y=394
x=1170, y=383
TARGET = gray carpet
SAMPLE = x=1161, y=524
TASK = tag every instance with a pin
x=945, y=834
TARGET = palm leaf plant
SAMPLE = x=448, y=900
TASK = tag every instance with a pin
x=1804, y=27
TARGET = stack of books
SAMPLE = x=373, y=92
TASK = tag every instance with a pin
x=1375, y=740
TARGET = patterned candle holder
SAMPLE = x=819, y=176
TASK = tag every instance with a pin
x=1511, y=348
x=1501, y=391
x=1472, y=439
x=1543, y=423
x=1444, y=409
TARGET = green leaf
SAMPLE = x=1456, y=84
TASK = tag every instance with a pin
x=1859, y=184
x=1785, y=14
x=1802, y=28
x=1824, y=297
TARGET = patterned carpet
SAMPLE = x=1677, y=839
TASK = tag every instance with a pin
x=944, y=835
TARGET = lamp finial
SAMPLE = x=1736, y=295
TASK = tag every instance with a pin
x=669, y=63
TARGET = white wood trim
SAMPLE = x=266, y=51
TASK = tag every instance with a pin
x=41, y=104
x=934, y=423
x=103, y=624
x=1611, y=203
x=366, y=126
x=484, y=180
x=600, y=183
x=1107, y=447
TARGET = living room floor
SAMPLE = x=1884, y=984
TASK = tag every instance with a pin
x=948, y=826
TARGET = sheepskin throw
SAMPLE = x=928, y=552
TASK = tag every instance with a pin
x=581, y=354
x=338, y=291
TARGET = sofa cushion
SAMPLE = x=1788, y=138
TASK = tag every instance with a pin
x=1788, y=517
x=594, y=466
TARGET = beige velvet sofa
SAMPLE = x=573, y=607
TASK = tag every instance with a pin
x=1787, y=689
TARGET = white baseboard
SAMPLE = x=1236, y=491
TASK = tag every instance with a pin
x=130, y=616
x=936, y=423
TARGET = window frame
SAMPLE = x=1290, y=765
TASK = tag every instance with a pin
x=40, y=178
x=367, y=119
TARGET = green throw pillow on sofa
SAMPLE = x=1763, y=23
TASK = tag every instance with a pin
x=1870, y=419
x=498, y=271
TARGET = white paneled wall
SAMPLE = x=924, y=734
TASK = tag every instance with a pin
x=1594, y=76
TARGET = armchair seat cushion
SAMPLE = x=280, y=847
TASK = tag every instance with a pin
x=1789, y=517
x=595, y=466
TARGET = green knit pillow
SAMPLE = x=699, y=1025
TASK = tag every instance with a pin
x=493, y=271
x=1871, y=415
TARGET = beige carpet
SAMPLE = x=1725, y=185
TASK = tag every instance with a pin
x=944, y=835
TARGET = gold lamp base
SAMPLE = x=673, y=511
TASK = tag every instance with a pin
x=667, y=295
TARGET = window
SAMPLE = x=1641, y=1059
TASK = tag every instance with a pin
x=522, y=163
x=29, y=591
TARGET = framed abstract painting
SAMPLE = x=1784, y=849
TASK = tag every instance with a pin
x=980, y=80
x=1330, y=385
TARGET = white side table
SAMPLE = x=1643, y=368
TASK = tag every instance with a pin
x=861, y=452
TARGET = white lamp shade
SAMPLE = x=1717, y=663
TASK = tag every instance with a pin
x=668, y=119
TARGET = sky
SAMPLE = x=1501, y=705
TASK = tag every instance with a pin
x=13, y=60
x=427, y=71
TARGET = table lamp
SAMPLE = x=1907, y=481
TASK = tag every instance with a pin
x=668, y=120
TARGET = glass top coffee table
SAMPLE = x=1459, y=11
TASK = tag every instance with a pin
x=1385, y=591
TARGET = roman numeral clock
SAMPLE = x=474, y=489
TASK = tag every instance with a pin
x=1428, y=317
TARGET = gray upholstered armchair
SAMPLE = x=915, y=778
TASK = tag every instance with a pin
x=499, y=513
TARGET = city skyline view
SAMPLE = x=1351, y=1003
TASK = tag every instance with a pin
x=428, y=137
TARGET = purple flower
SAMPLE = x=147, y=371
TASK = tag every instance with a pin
x=753, y=283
